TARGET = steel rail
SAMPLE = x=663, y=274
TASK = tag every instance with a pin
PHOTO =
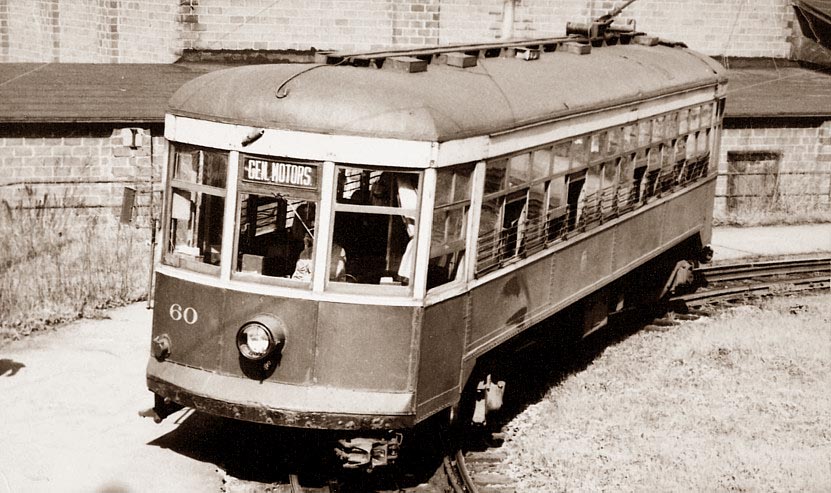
x=765, y=268
x=462, y=467
x=457, y=474
x=759, y=289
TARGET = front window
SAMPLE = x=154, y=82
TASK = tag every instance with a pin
x=197, y=206
x=375, y=226
x=276, y=218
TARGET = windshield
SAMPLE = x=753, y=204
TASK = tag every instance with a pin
x=277, y=219
x=375, y=225
x=278, y=237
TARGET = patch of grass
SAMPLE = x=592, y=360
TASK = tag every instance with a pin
x=808, y=209
x=57, y=266
x=735, y=402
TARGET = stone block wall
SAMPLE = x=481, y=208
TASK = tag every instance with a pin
x=83, y=170
x=158, y=31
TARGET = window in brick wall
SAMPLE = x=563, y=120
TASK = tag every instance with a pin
x=752, y=180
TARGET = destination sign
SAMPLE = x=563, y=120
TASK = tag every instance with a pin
x=278, y=173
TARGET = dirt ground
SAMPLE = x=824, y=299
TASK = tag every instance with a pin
x=69, y=403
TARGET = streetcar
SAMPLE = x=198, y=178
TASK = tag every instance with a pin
x=345, y=243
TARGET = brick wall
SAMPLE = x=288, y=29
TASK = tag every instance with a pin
x=804, y=181
x=117, y=31
x=715, y=27
x=737, y=28
x=85, y=172
x=92, y=31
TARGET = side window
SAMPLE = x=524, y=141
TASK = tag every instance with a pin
x=197, y=204
x=625, y=183
x=639, y=180
x=608, y=194
x=514, y=218
x=557, y=208
x=590, y=213
x=450, y=216
x=535, y=235
x=667, y=175
x=373, y=235
x=680, y=158
x=653, y=157
x=683, y=121
x=644, y=132
x=695, y=118
x=576, y=197
x=706, y=115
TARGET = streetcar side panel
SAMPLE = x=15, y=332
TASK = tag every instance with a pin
x=688, y=212
x=509, y=301
x=638, y=234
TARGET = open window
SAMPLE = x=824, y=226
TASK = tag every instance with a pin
x=575, y=199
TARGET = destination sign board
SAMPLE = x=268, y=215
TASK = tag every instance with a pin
x=299, y=175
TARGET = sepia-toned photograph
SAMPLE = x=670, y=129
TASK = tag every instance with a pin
x=415, y=246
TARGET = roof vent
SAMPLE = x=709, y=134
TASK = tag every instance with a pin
x=577, y=48
x=408, y=64
x=461, y=60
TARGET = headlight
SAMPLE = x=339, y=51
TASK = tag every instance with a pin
x=255, y=341
x=260, y=337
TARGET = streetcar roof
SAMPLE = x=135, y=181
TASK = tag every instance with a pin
x=443, y=103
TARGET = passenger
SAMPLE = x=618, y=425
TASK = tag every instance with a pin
x=408, y=198
x=337, y=262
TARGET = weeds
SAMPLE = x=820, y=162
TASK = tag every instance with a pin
x=762, y=208
x=57, y=264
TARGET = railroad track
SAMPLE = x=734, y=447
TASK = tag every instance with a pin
x=736, y=281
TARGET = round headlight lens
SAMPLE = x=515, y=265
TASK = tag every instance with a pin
x=255, y=341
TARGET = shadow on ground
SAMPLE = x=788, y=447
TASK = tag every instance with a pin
x=9, y=368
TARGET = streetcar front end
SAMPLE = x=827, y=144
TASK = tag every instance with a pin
x=284, y=293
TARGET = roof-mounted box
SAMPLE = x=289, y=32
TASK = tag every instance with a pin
x=461, y=60
x=408, y=64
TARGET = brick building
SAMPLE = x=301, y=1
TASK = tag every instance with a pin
x=158, y=31
x=64, y=127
